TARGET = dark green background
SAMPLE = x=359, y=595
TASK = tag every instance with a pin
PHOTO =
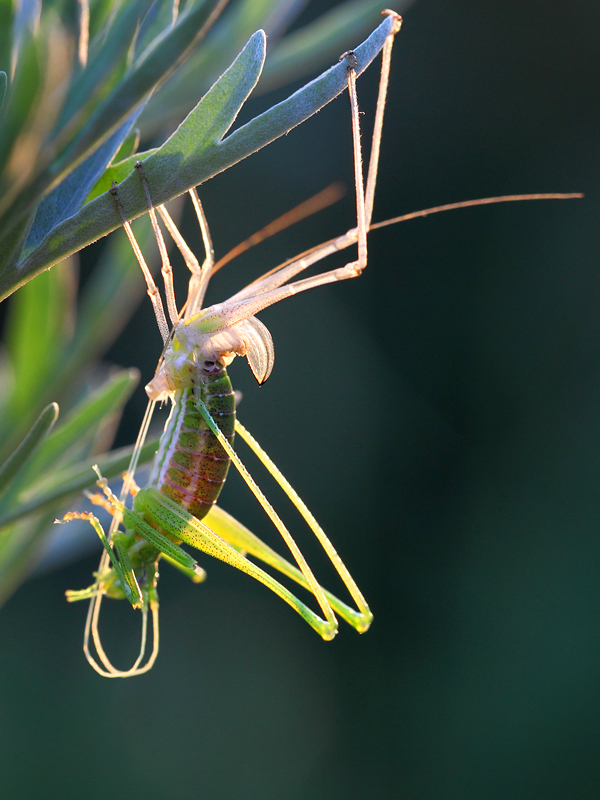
x=441, y=417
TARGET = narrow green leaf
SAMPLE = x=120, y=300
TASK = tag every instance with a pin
x=20, y=545
x=158, y=19
x=40, y=322
x=83, y=421
x=179, y=164
x=212, y=58
x=309, y=49
x=106, y=63
x=72, y=440
x=208, y=123
x=29, y=445
x=11, y=244
x=6, y=27
x=129, y=146
x=102, y=15
x=26, y=21
x=71, y=482
x=67, y=198
x=156, y=64
x=3, y=84
x=21, y=98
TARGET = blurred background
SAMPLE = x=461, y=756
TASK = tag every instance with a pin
x=441, y=417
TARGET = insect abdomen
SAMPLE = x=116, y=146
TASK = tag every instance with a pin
x=191, y=465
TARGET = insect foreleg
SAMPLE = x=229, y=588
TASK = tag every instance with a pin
x=120, y=562
x=379, y=111
x=196, y=293
x=199, y=274
x=152, y=288
x=109, y=671
x=135, y=524
x=270, y=288
x=356, y=267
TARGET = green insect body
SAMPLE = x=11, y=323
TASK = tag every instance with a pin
x=190, y=468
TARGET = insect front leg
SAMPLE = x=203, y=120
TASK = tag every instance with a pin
x=137, y=526
x=119, y=559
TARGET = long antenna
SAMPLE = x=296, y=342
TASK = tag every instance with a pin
x=326, y=197
x=485, y=201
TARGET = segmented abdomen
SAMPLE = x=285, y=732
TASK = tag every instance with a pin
x=191, y=466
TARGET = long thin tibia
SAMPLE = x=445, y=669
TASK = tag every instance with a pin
x=123, y=570
x=279, y=275
x=196, y=293
x=361, y=221
x=246, y=542
x=271, y=285
x=153, y=292
x=240, y=537
x=328, y=628
x=166, y=269
x=91, y=626
x=95, y=594
x=378, y=125
x=199, y=274
x=184, y=527
x=363, y=618
x=360, y=620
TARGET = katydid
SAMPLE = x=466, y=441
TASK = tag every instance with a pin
x=178, y=504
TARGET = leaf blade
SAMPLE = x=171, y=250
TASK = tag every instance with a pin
x=99, y=217
x=28, y=447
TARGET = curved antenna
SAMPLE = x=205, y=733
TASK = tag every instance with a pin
x=288, y=269
x=326, y=197
x=484, y=201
